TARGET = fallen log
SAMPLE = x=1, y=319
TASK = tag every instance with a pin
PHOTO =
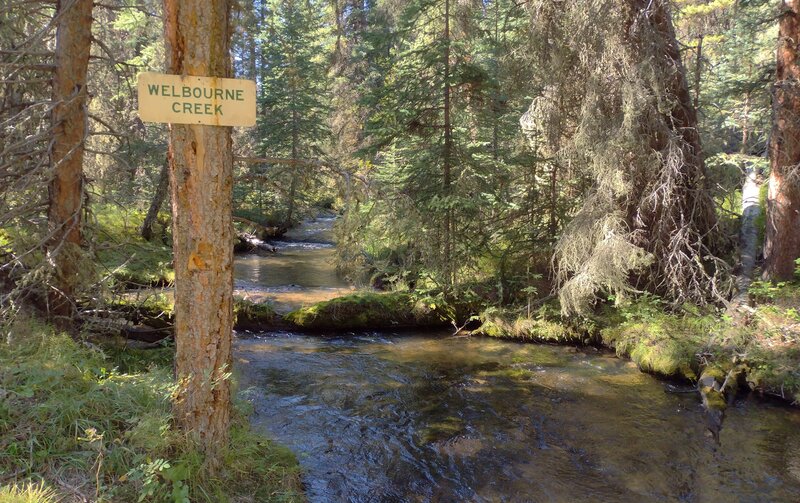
x=248, y=243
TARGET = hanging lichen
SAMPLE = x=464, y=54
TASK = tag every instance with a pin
x=616, y=104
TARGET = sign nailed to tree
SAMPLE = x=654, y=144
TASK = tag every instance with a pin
x=189, y=99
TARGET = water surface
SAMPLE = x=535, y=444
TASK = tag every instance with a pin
x=382, y=417
x=385, y=417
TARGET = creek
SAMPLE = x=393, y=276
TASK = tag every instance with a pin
x=429, y=417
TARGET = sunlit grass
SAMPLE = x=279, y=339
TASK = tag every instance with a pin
x=70, y=418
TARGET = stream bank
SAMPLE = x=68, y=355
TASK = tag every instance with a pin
x=420, y=414
x=297, y=289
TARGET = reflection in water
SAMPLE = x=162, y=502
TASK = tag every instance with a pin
x=289, y=267
x=423, y=418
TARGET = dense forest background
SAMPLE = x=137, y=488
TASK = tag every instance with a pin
x=618, y=173
x=465, y=144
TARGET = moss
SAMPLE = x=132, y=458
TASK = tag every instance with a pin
x=123, y=254
x=369, y=311
x=713, y=400
x=252, y=316
x=445, y=429
x=666, y=344
x=544, y=327
x=715, y=372
x=67, y=413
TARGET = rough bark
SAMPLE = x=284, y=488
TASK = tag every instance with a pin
x=162, y=186
x=197, y=36
x=698, y=71
x=681, y=227
x=293, y=186
x=69, y=118
x=782, y=239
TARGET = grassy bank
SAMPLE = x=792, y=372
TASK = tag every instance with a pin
x=757, y=347
x=123, y=256
x=78, y=423
x=367, y=310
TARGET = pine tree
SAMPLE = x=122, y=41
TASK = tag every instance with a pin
x=73, y=40
x=293, y=93
x=201, y=181
x=782, y=244
x=619, y=103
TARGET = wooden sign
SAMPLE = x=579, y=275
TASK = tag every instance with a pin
x=180, y=99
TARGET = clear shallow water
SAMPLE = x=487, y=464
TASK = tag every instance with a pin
x=433, y=418
x=300, y=273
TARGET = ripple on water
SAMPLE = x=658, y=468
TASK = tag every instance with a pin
x=431, y=418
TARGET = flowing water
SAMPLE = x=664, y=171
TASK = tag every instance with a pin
x=431, y=417
x=300, y=273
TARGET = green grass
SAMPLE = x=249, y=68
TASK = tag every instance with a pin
x=544, y=325
x=125, y=256
x=70, y=418
x=28, y=493
x=535, y=329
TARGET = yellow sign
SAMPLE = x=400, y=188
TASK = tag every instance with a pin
x=188, y=99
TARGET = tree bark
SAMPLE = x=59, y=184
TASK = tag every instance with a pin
x=698, y=71
x=293, y=186
x=197, y=36
x=69, y=118
x=448, y=157
x=162, y=186
x=782, y=239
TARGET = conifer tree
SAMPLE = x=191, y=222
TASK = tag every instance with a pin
x=619, y=104
x=782, y=243
x=70, y=118
x=292, y=123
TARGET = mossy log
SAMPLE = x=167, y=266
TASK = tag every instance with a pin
x=369, y=311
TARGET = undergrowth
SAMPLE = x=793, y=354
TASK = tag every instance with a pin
x=123, y=255
x=74, y=426
x=368, y=310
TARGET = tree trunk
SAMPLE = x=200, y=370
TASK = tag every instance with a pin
x=749, y=233
x=69, y=120
x=293, y=185
x=682, y=229
x=698, y=71
x=448, y=154
x=197, y=36
x=782, y=239
x=162, y=186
